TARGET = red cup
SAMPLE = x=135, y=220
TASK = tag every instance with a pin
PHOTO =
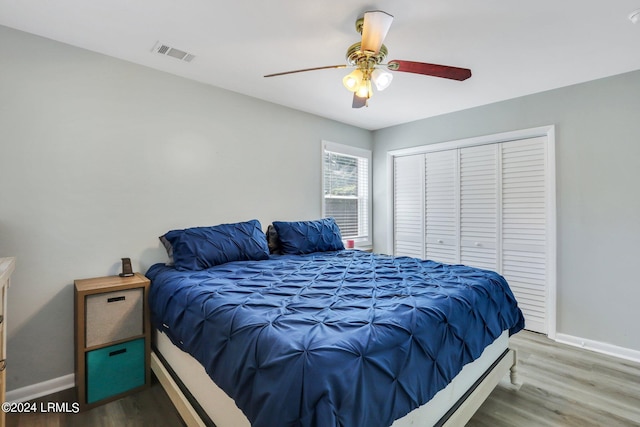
x=350, y=244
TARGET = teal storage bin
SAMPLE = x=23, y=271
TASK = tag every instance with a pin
x=115, y=369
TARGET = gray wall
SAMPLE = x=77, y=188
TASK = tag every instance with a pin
x=99, y=156
x=598, y=194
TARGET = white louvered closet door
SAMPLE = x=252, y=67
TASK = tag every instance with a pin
x=441, y=206
x=524, y=227
x=487, y=206
x=408, y=202
x=479, y=206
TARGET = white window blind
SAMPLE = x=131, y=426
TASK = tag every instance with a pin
x=346, y=176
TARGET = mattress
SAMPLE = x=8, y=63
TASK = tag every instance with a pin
x=332, y=338
x=218, y=409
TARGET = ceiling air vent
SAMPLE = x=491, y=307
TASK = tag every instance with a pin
x=163, y=49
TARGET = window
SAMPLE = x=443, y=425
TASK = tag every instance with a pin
x=346, y=186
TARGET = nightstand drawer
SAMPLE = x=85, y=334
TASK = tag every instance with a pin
x=113, y=316
x=115, y=369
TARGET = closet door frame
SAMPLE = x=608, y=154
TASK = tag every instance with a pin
x=543, y=131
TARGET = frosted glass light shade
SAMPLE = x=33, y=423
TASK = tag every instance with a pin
x=364, y=91
x=382, y=79
x=353, y=80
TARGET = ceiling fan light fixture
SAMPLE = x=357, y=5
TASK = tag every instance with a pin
x=365, y=90
x=353, y=80
x=382, y=79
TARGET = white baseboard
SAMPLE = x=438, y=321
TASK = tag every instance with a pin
x=600, y=347
x=41, y=389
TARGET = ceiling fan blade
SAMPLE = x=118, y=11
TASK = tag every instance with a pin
x=358, y=102
x=444, y=71
x=374, y=30
x=306, y=69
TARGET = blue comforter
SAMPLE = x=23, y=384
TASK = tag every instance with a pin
x=342, y=338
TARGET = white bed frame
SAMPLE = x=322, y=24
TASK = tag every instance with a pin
x=452, y=406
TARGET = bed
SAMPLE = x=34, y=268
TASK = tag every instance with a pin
x=328, y=337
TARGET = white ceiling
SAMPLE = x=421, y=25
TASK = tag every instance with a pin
x=513, y=47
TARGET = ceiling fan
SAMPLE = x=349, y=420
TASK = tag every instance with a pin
x=367, y=58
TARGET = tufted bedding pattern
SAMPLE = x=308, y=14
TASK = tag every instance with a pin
x=342, y=338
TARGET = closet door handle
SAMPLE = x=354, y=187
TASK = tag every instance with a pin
x=440, y=241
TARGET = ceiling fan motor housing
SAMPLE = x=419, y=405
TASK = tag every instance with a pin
x=365, y=59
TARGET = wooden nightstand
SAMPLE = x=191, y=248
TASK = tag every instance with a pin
x=112, y=338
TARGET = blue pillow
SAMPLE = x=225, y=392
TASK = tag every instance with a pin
x=303, y=237
x=199, y=248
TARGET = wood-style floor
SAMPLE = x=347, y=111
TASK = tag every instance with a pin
x=148, y=408
x=562, y=386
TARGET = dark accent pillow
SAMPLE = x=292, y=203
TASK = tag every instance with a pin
x=168, y=248
x=273, y=241
x=199, y=248
x=303, y=237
